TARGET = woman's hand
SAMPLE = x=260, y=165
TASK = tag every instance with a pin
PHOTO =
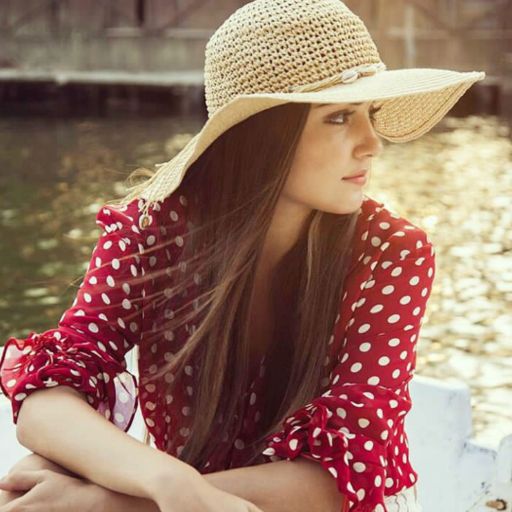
x=14, y=487
x=45, y=490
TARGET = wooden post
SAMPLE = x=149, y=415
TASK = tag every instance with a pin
x=409, y=39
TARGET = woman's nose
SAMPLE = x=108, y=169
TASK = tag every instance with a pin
x=370, y=143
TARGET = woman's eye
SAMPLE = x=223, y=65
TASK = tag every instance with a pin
x=340, y=115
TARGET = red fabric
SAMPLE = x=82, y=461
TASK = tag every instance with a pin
x=354, y=428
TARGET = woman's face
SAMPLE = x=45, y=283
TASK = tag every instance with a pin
x=338, y=140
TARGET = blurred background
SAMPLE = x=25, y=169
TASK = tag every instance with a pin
x=90, y=90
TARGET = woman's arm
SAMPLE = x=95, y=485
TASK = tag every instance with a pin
x=300, y=485
x=59, y=424
x=283, y=486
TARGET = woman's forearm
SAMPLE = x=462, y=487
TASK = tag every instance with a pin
x=284, y=486
x=300, y=485
x=60, y=425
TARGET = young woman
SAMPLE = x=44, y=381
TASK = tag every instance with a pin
x=275, y=307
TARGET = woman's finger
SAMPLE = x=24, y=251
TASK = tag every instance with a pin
x=21, y=480
x=16, y=504
x=7, y=497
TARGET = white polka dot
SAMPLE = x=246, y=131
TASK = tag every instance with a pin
x=356, y=367
x=384, y=360
x=396, y=271
x=359, y=467
x=373, y=380
x=342, y=413
x=387, y=290
x=119, y=417
x=414, y=280
x=116, y=264
x=126, y=304
x=393, y=342
x=364, y=347
x=93, y=327
x=363, y=328
x=405, y=300
x=87, y=297
x=378, y=481
x=110, y=281
x=293, y=444
x=368, y=445
x=363, y=422
x=377, y=308
x=123, y=396
x=393, y=319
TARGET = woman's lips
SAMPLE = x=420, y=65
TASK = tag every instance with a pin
x=360, y=180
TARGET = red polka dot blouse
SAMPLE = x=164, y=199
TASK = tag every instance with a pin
x=354, y=428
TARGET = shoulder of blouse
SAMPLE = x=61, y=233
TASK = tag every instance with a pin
x=382, y=233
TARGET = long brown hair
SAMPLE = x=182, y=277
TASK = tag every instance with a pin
x=234, y=187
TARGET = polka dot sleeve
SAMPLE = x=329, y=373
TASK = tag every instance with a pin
x=353, y=428
x=86, y=351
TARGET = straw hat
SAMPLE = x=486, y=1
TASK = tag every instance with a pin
x=270, y=52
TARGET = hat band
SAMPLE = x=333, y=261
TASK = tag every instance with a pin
x=347, y=76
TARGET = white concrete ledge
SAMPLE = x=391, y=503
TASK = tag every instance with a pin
x=62, y=77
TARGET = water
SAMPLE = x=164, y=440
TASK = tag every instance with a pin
x=455, y=182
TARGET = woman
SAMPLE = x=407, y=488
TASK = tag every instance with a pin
x=276, y=309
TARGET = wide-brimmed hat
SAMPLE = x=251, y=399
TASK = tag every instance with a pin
x=270, y=52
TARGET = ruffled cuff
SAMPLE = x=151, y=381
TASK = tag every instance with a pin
x=53, y=358
x=352, y=447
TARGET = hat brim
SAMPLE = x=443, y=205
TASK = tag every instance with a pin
x=412, y=101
